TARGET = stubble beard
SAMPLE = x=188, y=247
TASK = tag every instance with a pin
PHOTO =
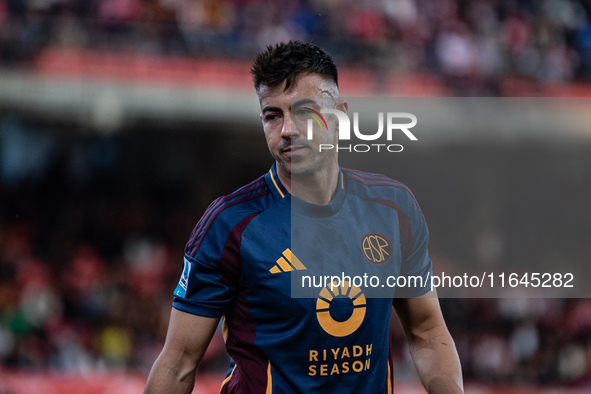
x=308, y=167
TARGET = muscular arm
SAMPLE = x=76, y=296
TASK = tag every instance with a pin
x=431, y=346
x=186, y=341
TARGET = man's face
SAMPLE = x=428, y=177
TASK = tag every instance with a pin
x=285, y=119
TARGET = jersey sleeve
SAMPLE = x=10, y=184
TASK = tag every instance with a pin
x=211, y=268
x=416, y=264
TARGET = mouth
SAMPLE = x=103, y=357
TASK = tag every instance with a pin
x=293, y=150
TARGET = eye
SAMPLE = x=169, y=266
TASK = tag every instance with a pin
x=271, y=117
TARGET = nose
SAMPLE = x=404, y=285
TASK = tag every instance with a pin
x=289, y=130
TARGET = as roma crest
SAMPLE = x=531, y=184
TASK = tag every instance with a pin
x=376, y=248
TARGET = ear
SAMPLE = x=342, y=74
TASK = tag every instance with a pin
x=342, y=105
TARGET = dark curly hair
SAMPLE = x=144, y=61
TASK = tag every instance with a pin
x=284, y=61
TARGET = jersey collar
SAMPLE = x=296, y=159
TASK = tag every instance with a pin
x=275, y=184
x=303, y=207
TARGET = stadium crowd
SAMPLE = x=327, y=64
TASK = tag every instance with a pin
x=92, y=231
x=469, y=44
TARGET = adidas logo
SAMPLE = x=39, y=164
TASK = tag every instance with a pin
x=290, y=264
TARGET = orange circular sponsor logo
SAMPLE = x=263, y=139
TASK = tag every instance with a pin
x=345, y=325
x=376, y=248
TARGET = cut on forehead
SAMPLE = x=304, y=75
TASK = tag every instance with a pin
x=306, y=84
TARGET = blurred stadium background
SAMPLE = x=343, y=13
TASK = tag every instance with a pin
x=121, y=120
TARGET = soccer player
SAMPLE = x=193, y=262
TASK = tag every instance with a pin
x=240, y=258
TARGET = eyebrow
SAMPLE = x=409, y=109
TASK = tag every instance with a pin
x=298, y=103
x=271, y=109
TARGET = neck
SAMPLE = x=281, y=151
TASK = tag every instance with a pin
x=318, y=188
